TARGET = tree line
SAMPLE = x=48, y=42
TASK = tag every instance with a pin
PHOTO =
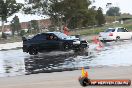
x=72, y=13
x=7, y=9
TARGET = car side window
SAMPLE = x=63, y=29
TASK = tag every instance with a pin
x=120, y=30
x=125, y=30
x=50, y=37
x=39, y=37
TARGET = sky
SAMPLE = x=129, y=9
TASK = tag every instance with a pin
x=125, y=5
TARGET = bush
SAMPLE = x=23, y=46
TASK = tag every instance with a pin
x=23, y=32
x=4, y=35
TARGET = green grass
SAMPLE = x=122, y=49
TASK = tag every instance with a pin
x=86, y=32
x=96, y=30
x=91, y=31
x=11, y=40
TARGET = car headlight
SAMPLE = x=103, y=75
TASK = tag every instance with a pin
x=77, y=42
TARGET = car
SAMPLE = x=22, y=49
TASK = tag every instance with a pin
x=51, y=41
x=8, y=33
x=0, y=34
x=115, y=34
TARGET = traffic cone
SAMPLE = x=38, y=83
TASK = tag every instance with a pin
x=84, y=80
x=95, y=40
x=101, y=44
x=84, y=74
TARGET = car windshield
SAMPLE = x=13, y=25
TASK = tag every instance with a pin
x=61, y=35
x=110, y=30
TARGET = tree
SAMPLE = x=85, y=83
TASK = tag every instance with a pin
x=3, y=10
x=113, y=11
x=8, y=8
x=73, y=13
x=100, y=17
x=34, y=26
x=15, y=25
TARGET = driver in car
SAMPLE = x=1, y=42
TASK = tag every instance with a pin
x=51, y=37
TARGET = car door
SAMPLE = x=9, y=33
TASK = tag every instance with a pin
x=123, y=33
x=120, y=33
x=126, y=34
x=40, y=41
x=52, y=42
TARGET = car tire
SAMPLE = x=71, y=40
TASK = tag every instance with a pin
x=103, y=41
x=81, y=49
x=76, y=50
x=131, y=38
x=33, y=51
x=117, y=38
x=65, y=47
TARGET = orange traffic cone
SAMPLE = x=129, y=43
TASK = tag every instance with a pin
x=84, y=74
x=95, y=40
x=100, y=46
x=84, y=80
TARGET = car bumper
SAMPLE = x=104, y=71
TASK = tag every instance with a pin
x=25, y=49
x=108, y=39
x=78, y=46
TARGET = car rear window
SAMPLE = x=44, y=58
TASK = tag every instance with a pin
x=110, y=30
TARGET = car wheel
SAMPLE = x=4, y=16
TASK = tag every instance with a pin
x=103, y=41
x=131, y=38
x=76, y=50
x=117, y=38
x=65, y=46
x=80, y=49
x=33, y=51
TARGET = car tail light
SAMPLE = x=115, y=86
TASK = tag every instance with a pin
x=111, y=34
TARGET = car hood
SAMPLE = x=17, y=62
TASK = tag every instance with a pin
x=71, y=38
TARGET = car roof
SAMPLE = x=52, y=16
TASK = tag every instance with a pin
x=54, y=32
x=115, y=27
x=49, y=33
x=111, y=28
x=118, y=27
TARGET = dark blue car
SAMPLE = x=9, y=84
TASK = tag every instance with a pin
x=51, y=41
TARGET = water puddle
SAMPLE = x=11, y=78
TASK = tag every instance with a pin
x=15, y=62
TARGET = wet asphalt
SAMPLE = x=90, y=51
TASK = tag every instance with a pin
x=15, y=62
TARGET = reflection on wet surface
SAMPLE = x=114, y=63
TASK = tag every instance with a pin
x=50, y=63
x=11, y=63
x=15, y=62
